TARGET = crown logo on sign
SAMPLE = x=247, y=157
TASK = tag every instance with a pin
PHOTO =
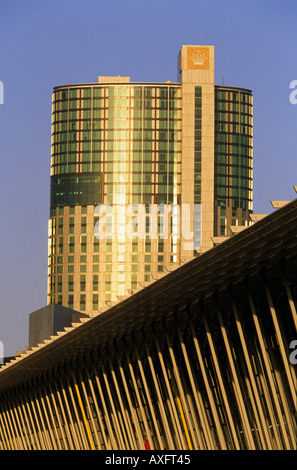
x=198, y=58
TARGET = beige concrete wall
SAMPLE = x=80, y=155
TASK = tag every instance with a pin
x=199, y=73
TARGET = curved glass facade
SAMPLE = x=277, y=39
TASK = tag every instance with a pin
x=233, y=158
x=117, y=145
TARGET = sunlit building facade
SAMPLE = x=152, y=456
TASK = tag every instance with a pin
x=143, y=176
x=233, y=187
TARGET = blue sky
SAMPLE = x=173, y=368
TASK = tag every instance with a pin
x=49, y=43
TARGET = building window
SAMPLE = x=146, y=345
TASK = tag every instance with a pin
x=71, y=244
x=83, y=302
x=96, y=245
x=82, y=282
x=95, y=301
x=60, y=227
x=71, y=225
x=95, y=282
x=70, y=283
x=83, y=225
x=60, y=246
x=70, y=300
x=83, y=244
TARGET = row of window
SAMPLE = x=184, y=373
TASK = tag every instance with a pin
x=145, y=145
x=235, y=96
x=122, y=109
x=234, y=107
x=162, y=193
x=59, y=260
x=144, y=91
x=56, y=227
x=235, y=118
x=118, y=91
x=76, y=120
x=116, y=126
x=135, y=169
x=81, y=305
x=82, y=210
x=230, y=174
x=93, y=283
x=102, y=135
x=57, y=244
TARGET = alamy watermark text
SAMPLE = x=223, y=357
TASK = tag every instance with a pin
x=164, y=221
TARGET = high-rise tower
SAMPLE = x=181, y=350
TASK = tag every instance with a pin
x=143, y=176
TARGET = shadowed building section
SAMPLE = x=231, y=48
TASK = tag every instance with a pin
x=47, y=321
x=200, y=359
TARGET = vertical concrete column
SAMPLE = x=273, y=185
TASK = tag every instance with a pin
x=197, y=69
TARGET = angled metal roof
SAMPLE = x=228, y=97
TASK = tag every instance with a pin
x=265, y=244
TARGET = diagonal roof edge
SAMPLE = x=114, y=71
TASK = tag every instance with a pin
x=268, y=240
